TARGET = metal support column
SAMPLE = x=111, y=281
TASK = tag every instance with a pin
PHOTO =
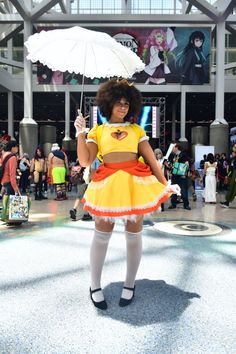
x=28, y=126
x=219, y=129
x=183, y=115
x=10, y=114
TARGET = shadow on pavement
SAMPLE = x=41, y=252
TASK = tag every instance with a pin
x=155, y=302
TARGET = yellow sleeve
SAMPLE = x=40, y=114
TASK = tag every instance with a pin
x=92, y=135
x=141, y=134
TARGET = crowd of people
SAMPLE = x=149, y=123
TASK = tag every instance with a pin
x=39, y=174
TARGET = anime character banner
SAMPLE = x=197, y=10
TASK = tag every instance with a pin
x=171, y=54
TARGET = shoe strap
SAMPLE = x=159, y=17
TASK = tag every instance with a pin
x=95, y=290
x=126, y=287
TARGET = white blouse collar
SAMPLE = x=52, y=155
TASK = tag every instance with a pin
x=116, y=124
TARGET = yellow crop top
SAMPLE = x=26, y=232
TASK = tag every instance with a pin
x=115, y=137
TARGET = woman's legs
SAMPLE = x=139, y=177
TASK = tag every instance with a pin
x=102, y=233
x=133, y=234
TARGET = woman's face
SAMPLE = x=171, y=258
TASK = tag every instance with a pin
x=38, y=152
x=158, y=155
x=120, y=109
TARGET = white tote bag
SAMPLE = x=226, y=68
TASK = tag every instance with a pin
x=18, y=208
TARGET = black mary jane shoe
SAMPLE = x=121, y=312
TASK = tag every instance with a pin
x=102, y=305
x=125, y=302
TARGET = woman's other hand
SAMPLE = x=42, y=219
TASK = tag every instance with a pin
x=174, y=188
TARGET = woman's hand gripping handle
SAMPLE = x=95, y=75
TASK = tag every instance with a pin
x=80, y=124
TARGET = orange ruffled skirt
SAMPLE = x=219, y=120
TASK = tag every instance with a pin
x=124, y=190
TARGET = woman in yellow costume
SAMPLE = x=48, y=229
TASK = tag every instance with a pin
x=122, y=187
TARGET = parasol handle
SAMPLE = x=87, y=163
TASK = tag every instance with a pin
x=81, y=96
x=82, y=89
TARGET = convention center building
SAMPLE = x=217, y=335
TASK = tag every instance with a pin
x=188, y=95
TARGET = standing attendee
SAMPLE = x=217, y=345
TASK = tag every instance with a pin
x=193, y=174
x=9, y=182
x=58, y=165
x=122, y=187
x=180, y=176
x=160, y=159
x=77, y=172
x=24, y=167
x=38, y=169
x=209, y=171
x=222, y=172
x=231, y=194
x=202, y=164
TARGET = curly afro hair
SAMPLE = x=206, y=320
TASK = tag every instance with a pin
x=112, y=91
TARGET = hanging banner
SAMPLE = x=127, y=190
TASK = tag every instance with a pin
x=172, y=55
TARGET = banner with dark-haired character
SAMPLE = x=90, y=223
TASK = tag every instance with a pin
x=171, y=55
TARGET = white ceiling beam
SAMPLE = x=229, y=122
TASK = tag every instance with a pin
x=229, y=6
x=114, y=20
x=21, y=8
x=42, y=8
x=10, y=18
x=7, y=31
x=206, y=8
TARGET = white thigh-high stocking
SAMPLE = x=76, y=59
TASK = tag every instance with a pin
x=98, y=252
x=134, y=250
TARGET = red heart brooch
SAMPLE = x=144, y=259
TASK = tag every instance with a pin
x=119, y=135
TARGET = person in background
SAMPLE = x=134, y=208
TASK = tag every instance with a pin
x=192, y=176
x=222, y=172
x=209, y=193
x=45, y=179
x=122, y=187
x=81, y=187
x=87, y=179
x=58, y=165
x=231, y=194
x=24, y=166
x=182, y=180
x=9, y=182
x=160, y=159
x=38, y=169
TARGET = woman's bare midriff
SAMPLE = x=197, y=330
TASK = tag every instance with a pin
x=114, y=157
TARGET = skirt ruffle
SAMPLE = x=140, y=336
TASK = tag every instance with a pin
x=124, y=195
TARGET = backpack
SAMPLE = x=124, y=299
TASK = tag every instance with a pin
x=180, y=169
x=2, y=167
x=77, y=175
